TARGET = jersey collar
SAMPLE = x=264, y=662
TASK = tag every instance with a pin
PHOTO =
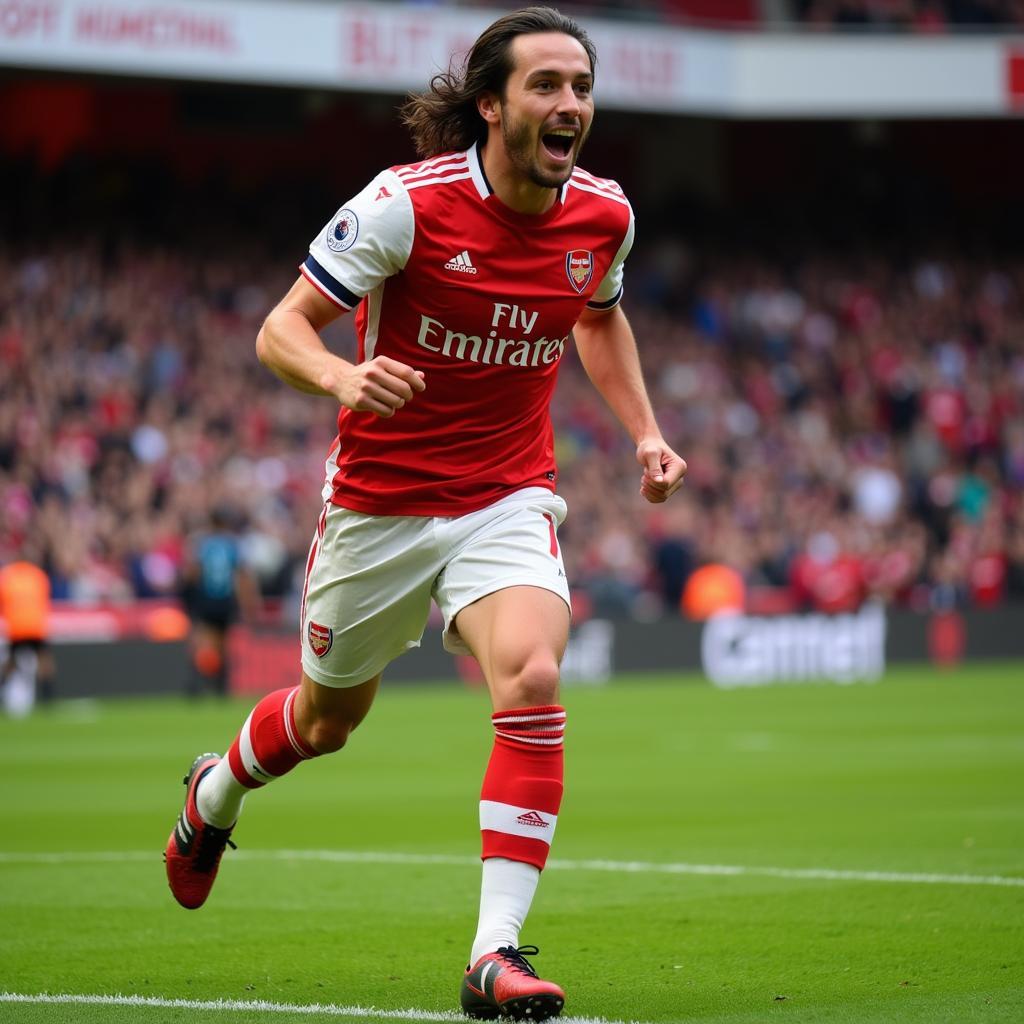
x=483, y=187
x=476, y=171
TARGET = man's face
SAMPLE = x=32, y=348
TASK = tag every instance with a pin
x=548, y=106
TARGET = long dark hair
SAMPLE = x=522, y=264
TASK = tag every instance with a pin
x=445, y=117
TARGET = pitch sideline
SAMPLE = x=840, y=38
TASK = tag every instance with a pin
x=257, y=1005
x=613, y=866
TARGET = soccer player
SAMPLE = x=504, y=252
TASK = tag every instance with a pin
x=216, y=585
x=470, y=271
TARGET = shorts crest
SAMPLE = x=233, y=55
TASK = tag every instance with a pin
x=321, y=638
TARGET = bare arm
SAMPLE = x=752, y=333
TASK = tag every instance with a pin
x=289, y=345
x=608, y=352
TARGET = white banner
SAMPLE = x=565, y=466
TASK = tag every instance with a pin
x=391, y=48
x=744, y=650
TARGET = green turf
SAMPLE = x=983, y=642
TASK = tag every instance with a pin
x=922, y=772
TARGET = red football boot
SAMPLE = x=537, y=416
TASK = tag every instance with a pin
x=194, y=849
x=504, y=984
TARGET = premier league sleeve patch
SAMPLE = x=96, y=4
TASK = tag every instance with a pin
x=579, y=268
x=342, y=231
x=321, y=638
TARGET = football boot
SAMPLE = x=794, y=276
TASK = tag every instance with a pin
x=194, y=849
x=504, y=984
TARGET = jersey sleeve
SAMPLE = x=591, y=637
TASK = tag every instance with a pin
x=609, y=292
x=367, y=240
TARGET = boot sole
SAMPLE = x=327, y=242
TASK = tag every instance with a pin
x=539, y=1007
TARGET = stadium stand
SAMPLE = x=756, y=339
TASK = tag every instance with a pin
x=852, y=417
x=912, y=15
x=926, y=16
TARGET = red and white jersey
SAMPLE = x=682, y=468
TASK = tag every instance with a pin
x=450, y=281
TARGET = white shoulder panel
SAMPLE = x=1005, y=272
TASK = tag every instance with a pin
x=609, y=291
x=367, y=241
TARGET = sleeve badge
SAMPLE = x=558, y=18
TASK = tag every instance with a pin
x=342, y=231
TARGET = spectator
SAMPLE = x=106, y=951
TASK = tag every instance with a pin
x=27, y=670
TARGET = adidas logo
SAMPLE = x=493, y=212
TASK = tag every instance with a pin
x=532, y=818
x=461, y=263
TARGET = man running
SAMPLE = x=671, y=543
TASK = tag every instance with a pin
x=470, y=271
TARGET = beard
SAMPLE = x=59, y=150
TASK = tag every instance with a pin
x=521, y=147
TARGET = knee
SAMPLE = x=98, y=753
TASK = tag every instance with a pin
x=535, y=683
x=325, y=717
x=329, y=734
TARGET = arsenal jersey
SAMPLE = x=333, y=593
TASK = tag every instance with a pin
x=448, y=280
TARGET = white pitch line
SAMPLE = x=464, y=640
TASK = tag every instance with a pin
x=636, y=867
x=258, y=1005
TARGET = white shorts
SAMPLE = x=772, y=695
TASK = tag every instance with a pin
x=369, y=579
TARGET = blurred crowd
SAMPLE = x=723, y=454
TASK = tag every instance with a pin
x=854, y=427
x=132, y=407
x=913, y=15
x=871, y=15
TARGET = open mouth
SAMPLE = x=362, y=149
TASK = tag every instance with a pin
x=559, y=143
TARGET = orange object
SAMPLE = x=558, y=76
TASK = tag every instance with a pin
x=25, y=601
x=208, y=660
x=711, y=589
x=167, y=624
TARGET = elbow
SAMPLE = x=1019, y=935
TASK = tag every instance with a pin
x=263, y=346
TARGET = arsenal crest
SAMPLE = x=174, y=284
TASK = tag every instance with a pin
x=579, y=267
x=321, y=638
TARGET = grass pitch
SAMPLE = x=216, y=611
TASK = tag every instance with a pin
x=797, y=853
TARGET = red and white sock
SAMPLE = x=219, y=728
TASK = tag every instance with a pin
x=268, y=747
x=519, y=804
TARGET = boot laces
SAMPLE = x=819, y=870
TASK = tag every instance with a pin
x=516, y=958
x=210, y=845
